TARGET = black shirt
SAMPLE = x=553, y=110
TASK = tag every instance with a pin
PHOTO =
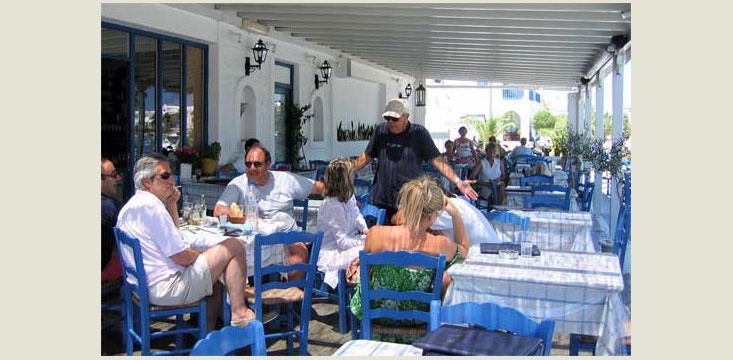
x=399, y=160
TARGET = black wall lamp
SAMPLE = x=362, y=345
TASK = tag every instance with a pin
x=420, y=96
x=408, y=92
x=325, y=73
x=260, y=54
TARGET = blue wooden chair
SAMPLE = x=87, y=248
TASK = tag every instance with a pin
x=285, y=293
x=553, y=190
x=303, y=222
x=373, y=215
x=401, y=259
x=493, y=317
x=510, y=218
x=229, y=339
x=586, y=196
x=320, y=166
x=538, y=179
x=361, y=186
x=139, y=311
x=546, y=201
x=281, y=166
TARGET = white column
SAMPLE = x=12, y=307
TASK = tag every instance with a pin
x=617, y=133
x=572, y=111
x=598, y=188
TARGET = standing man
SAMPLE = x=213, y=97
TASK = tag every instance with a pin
x=111, y=180
x=400, y=148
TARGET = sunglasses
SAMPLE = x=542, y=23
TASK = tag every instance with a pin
x=114, y=174
x=257, y=164
x=392, y=119
x=164, y=176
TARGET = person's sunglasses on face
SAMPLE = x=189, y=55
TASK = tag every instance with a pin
x=392, y=119
x=257, y=164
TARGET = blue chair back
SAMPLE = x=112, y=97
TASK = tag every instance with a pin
x=305, y=284
x=538, y=179
x=553, y=190
x=493, y=317
x=320, y=166
x=281, y=166
x=586, y=196
x=230, y=338
x=373, y=215
x=546, y=201
x=401, y=259
x=303, y=222
x=135, y=290
x=506, y=217
x=362, y=186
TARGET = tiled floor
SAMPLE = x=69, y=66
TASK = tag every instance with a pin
x=324, y=338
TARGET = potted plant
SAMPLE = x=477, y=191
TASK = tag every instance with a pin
x=297, y=118
x=210, y=158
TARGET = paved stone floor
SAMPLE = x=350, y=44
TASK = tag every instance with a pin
x=324, y=338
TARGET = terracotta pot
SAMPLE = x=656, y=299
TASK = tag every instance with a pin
x=208, y=166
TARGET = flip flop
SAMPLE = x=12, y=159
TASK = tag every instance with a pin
x=266, y=318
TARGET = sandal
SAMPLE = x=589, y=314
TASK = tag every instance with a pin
x=266, y=318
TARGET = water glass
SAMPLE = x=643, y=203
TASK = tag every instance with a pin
x=186, y=211
x=526, y=248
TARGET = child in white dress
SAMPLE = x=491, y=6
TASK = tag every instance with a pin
x=343, y=226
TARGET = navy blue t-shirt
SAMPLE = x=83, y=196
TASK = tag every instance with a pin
x=110, y=210
x=399, y=160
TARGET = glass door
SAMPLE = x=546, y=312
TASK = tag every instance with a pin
x=283, y=96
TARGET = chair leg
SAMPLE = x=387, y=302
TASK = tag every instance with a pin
x=341, y=290
x=582, y=342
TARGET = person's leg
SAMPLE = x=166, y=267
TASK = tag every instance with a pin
x=297, y=254
x=228, y=258
x=213, y=306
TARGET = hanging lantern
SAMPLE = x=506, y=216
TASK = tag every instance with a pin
x=420, y=96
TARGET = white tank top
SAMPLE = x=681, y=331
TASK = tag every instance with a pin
x=489, y=172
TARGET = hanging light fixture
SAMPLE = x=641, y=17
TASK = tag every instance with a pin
x=408, y=92
x=325, y=73
x=420, y=96
x=260, y=54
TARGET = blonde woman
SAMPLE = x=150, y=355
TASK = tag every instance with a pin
x=420, y=203
x=339, y=218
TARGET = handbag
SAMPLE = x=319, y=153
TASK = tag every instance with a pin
x=473, y=340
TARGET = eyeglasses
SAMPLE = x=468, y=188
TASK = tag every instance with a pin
x=392, y=119
x=257, y=164
x=114, y=174
x=164, y=176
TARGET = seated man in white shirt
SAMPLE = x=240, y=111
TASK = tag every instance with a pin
x=176, y=273
x=275, y=191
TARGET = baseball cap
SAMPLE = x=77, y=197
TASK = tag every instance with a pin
x=395, y=108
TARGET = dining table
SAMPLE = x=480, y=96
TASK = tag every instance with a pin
x=581, y=291
x=376, y=348
x=551, y=229
x=203, y=237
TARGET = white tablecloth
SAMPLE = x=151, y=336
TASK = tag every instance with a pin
x=552, y=230
x=376, y=348
x=581, y=291
x=201, y=238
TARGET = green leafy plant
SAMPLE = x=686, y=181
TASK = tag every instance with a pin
x=297, y=117
x=211, y=151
